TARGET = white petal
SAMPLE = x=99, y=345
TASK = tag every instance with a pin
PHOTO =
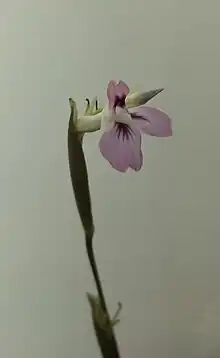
x=108, y=119
x=122, y=116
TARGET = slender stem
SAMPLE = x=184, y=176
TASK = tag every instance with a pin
x=112, y=345
x=91, y=256
x=79, y=177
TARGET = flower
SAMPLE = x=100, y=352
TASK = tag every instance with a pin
x=120, y=143
x=91, y=119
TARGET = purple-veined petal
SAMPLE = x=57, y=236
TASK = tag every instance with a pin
x=152, y=121
x=111, y=92
x=121, y=146
x=122, y=89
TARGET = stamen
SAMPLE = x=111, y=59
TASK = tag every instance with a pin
x=87, y=106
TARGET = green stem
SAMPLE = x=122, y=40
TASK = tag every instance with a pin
x=92, y=261
x=114, y=345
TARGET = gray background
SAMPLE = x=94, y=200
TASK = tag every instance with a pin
x=157, y=232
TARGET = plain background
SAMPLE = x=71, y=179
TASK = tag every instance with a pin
x=157, y=232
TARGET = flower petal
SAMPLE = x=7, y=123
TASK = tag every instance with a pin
x=122, y=116
x=111, y=92
x=152, y=121
x=122, y=89
x=108, y=119
x=121, y=146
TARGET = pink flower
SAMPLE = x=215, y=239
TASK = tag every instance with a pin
x=120, y=143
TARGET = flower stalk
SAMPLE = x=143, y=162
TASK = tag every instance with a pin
x=122, y=122
x=79, y=176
